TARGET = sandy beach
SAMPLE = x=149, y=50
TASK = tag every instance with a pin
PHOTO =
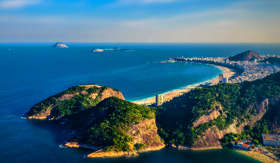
x=257, y=156
x=178, y=92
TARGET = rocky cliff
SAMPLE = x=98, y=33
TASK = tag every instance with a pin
x=202, y=117
x=118, y=128
x=144, y=138
x=212, y=136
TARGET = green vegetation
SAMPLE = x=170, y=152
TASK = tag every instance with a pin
x=176, y=117
x=269, y=124
x=78, y=100
x=112, y=119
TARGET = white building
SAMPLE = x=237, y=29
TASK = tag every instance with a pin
x=159, y=100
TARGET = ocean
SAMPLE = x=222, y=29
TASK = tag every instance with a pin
x=30, y=72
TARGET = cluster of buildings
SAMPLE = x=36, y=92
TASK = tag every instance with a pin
x=242, y=145
x=268, y=140
x=249, y=70
x=246, y=70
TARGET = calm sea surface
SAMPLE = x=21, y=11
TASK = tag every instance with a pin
x=30, y=73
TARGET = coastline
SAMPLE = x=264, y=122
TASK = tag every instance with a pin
x=169, y=95
x=99, y=153
x=257, y=156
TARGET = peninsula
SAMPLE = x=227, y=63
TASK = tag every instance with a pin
x=101, y=120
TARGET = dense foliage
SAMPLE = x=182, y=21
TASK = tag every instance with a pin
x=270, y=124
x=78, y=102
x=177, y=116
x=112, y=119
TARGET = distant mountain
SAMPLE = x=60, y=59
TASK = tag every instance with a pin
x=245, y=56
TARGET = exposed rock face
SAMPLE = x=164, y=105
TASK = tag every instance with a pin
x=145, y=133
x=135, y=131
x=144, y=137
x=207, y=118
x=111, y=154
x=52, y=108
x=212, y=135
x=109, y=92
x=246, y=56
x=77, y=145
x=41, y=115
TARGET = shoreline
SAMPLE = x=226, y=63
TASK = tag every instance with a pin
x=257, y=156
x=169, y=95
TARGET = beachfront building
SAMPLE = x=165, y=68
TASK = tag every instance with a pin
x=159, y=100
x=225, y=80
x=221, y=77
x=271, y=140
x=242, y=145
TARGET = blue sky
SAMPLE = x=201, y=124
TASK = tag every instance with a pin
x=140, y=21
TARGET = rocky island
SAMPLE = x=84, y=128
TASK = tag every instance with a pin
x=60, y=45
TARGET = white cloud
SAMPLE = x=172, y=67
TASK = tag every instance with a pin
x=17, y=3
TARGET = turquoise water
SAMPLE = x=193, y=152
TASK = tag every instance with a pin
x=32, y=72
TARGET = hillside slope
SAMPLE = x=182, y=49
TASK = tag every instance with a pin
x=245, y=56
x=118, y=128
x=202, y=117
x=71, y=101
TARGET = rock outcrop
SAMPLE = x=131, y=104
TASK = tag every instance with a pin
x=116, y=128
x=211, y=116
x=211, y=137
x=144, y=138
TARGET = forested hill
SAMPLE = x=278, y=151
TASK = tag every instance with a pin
x=71, y=101
x=245, y=56
x=117, y=127
x=202, y=117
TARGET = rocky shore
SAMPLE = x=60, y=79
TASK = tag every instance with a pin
x=113, y=154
